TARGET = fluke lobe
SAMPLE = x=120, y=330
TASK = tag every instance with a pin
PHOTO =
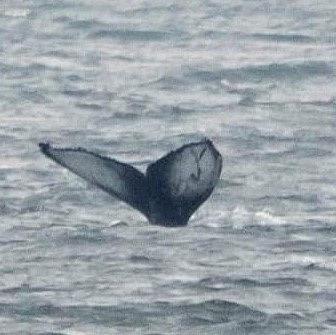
x=168, y=194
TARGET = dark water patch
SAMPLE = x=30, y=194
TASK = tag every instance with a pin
x=77, y=93
x=126, y=115
x=219, y=311
x=150, y=9
x=74, y=77
x=176, y=110
x=22, y=228
x=32, y=95
x=288, y=281
x=25, y=288
x=38, y=173
x=94, y=107
x=326, y=294
x=289, y=321
x=213, y=34
x=5, y=209
x=320, y=103
x=103, y=315
x=299, y=246
x=274, y=282
x=248, y=99
x=10, y=242
x=123, y=58
x=7, y=138
x=326, y=228
x=169, y=83
x=140, y=315
x=331, y=321
x=61, y=19
x=324, y=139
x=298, y=103
x=132, y=35
x=140, y=259
x=57, y=53
x=280, y=71
x=16, y=71
x=318, y=268
x=292, y=38
x=230, y=183
x=85, y=24
x=311, y=138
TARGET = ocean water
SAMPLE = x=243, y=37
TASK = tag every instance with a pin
x=134, y=80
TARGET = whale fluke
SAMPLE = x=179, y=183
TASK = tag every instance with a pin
x=118, y=179
x=170, y=192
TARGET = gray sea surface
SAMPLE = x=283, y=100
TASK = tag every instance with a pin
x=133, y=80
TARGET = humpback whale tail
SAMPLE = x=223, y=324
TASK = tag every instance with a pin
x=168, y=194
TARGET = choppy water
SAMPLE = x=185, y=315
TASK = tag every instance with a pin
x=134, y=80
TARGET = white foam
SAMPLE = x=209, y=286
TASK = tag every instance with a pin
x=266, y=218
x=241, y=217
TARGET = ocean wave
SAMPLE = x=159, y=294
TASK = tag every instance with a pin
x=168, y=82
x=26, y=288
x=85, y=24
x=280, y=71
x=89, y=106
x=151, y=8
x=5, y=209
x=302, y=197
x=219, y=311
x=18, y=71
x=77, y=92
x=132, y=35
x=82, y=235
x=292, y=38
x=140, y=259
x=10, y=242
x=224, y=283
x=137, y=315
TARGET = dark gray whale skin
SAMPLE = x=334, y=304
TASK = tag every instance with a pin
x=168, y=194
